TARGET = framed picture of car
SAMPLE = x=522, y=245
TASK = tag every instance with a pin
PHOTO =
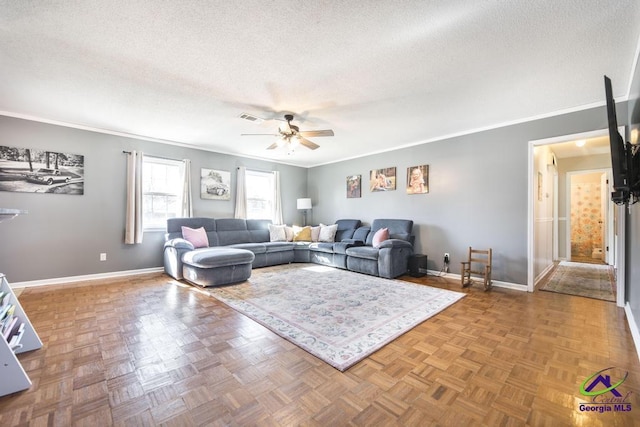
x=215, y=185
x=32, y=170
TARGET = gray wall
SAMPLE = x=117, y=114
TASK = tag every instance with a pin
x=478, y=197
x=478, y=191
x=63, y=235
x=633, y=223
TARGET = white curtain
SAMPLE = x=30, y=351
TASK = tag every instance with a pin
x=133, y=216
x=277, y=212
x=187, y=202
x=241, y=194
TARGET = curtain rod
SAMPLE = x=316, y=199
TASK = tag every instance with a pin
x=155, y=157
x=258, y=170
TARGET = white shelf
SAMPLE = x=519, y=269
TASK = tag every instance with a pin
x=14, y=378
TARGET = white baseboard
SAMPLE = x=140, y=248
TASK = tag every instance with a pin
x=114, y=274
x=496, y=283
x=88, y=277
x=541, y=275
x=509, y=285
x=633, y=326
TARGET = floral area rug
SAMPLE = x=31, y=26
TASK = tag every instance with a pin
x=338, y=316
x=585, y=280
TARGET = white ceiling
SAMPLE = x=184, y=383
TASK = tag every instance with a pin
x=382, y=74
x=592, y=146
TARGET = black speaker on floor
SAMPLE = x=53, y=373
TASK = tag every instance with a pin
x=417, y=263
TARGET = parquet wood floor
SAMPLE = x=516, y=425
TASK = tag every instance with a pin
x=147, y=350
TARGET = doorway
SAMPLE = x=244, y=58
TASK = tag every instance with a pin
x=559, y=233
x=587, y=207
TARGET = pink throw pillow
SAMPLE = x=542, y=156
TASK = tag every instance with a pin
x=197, y=236
x=380, y=236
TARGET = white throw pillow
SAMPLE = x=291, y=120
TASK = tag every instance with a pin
x=277, y=233
x=288, y=232
x=315, y=233
x=327, y=233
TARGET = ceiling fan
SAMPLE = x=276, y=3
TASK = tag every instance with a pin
x=291, y=136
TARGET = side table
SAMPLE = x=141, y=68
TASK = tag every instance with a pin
x=417, y=262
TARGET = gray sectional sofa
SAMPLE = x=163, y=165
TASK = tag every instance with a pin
x=237, y=245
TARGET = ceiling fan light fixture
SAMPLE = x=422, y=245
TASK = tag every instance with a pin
x=290, y=136
x=285, y=128
x=294, y=141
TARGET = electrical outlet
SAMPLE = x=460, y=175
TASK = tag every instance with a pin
x=103, y=256
x=446, y=258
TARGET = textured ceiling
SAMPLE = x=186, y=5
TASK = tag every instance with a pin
x=381, y=74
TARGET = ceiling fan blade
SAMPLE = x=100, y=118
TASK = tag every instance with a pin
x=272, y=146
x=314, y=133
x=260, y=134
x=308, y=144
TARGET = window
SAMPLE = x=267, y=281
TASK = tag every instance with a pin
x=162, y=183
x=261, y=193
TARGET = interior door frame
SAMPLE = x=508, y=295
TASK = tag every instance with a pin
x=620, y=253
x=608, y=218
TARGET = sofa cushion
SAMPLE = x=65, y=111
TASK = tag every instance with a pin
x=174, y=225
x=398, y=229
x=346, y=228
x=196, y=236
x=258, y=230
x=379, y=237
x=315, y=233
x=396, y=243
x=217, y=257
x=288, y=232
x=341, y=247
x=368, y=252
x=321, y=247
x=327, y=233
x=302, y=234
x=231, y=231
x=179, y=243
x=301, y=252
x=278, y=246
x=174, y=228
x=361, y=233
x=256, y=248
x=277, y=233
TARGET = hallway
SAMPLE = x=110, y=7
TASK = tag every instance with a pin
x=589, y=280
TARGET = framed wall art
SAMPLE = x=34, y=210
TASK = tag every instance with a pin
x=382, y=179
x=354, y=187
x=539, y=186
x=418, y=179
x=215, y=184
x=31, y=170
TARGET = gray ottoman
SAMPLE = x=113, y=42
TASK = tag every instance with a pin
x=217, y=266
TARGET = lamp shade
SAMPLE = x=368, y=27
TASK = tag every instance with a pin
x=304, y=203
